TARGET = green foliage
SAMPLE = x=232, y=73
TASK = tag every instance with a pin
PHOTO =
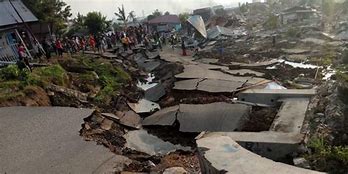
x=110, y=77
x=78, y=26
x=332, y=159
x=292, y=32
x=243, y=8
x=53, y=12
x=328, y=7
x=154, y=14
x=43, y=76
x=5, y=96
x=183, y=17
x=11, y=72
x=272, y=22
x=96, y=23
x=121, y=15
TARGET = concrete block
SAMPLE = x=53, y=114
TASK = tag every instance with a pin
x=271, y=96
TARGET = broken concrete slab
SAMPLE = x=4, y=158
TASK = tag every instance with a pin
x=131, y=119
x=222, y=154
x=142, y=141
x=199, y=72
x=111, y=116
x=269, y=144
x=144, y=106
x=295, y=51
x=152, y=55
x=109, y=55
x=218, y=86
x=206, y=117
x=207, y=60
x=254, y=65
x=46, y=140
x=164, y=117
x=208, y=85
x=212, y=117
x=155, y=93
x=291, y=115
x=106, y=124
x=187, y=84
x=244, y=72
x=271, y=96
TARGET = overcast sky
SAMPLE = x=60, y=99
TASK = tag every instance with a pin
x=108, y=7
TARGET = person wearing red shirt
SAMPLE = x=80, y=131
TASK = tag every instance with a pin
x=59, y=47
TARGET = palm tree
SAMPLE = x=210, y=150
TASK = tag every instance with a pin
x=122, y=15
x=131, y=16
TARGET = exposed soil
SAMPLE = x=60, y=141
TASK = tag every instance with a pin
x=260, y=119
x=33, y=96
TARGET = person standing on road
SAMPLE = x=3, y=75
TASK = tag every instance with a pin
x=183, y=47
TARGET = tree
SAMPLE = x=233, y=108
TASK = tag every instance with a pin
x=131, y=16
x=96, y=23
x=121, y=15
x=154, y=14
x=53, y=12
x=328, y=7
x=183, y=17
x=78, y=26
x=272, y=22
x=167, y=13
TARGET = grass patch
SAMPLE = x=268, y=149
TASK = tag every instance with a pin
x=324, y=157
x=10, y=96
x=111, y=78
x=45, y=75
x=10, y=72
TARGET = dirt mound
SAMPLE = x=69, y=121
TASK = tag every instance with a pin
x=33, y=96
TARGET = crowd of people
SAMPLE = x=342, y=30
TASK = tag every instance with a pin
x=98, y=43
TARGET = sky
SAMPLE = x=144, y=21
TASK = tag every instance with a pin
x=144, y=7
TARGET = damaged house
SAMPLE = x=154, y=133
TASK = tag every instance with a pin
x=299, y=14
x=14, y=20
x=165, y=23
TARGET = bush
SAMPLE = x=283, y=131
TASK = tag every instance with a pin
x=45, y=75
x=110, y=77
x=10, y=72
x=332, y=159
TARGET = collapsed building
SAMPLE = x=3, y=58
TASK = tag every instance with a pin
x=15, y=22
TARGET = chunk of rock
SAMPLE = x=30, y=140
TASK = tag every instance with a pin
x=106, y=124
x=175, y=170
x=142, y=141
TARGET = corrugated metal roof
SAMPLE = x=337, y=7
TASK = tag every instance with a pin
x=198, y=22
x=165, y=19
x=8, y=15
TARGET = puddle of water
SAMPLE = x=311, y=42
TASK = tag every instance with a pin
x=299, y=65
x=295, y=65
